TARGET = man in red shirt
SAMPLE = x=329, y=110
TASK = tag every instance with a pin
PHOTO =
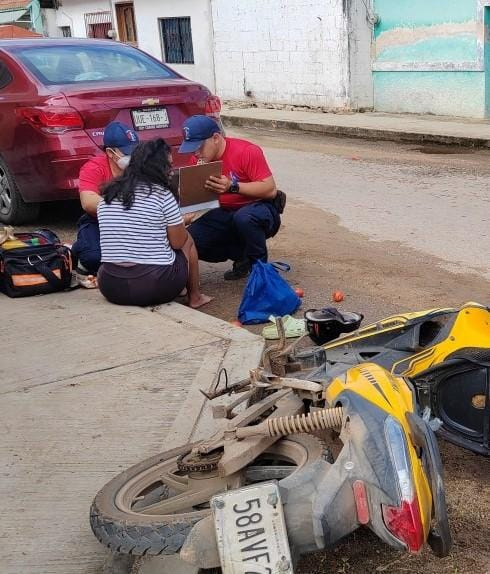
x=248, y=213
x=119, y=142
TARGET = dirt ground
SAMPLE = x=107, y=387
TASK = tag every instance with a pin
x=378, y=279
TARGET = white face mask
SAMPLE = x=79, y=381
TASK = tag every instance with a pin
x=123, y=162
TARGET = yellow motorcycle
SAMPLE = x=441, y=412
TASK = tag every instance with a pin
x=296, y=466
x=443, y=352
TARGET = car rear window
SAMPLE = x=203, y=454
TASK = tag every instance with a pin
x=77, y=64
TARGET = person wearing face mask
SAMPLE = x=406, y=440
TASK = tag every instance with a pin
x=118, y=144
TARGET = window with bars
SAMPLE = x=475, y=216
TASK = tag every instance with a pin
x=98, y=24
x=177, y=40
x=66, y=31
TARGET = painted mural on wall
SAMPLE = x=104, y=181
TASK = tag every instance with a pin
x=427, y=31
x=430, y=57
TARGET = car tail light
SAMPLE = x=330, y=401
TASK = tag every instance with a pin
x=213, y=106
x=52, y=119
x=404, y=521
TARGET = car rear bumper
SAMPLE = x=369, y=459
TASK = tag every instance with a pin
x=50, y=169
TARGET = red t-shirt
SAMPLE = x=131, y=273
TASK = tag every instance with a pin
x=247, y=162
x=94, y=174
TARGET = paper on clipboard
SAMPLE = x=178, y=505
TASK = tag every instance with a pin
x=193, y=196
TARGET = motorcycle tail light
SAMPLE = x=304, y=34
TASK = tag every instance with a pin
x=404, y=521
x=213, y=106
x=52, y=119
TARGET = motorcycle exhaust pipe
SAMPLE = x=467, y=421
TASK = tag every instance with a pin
x=323, y=419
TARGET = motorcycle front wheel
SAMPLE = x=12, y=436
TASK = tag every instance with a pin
x=150, y=508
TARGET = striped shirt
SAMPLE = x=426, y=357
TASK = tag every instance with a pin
x=139, y=234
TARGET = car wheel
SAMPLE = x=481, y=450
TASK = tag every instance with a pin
x=13, y=209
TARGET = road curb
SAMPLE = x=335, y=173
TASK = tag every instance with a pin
x=231, y=120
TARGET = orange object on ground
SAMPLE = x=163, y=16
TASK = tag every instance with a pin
x=337, y=296
x=236, y=323
x=299, y=291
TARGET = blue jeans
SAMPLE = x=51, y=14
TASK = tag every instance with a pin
x=87, y=246
x=220, y=234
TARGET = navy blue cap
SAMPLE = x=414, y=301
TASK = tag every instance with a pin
x=196, y=130
x=121, y=136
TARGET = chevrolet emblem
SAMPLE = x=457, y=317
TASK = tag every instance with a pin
x=150, y=102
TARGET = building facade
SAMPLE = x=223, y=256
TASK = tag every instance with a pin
x=412, y=56
x=301, y=52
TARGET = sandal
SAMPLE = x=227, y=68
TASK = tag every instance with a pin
x=292, y=327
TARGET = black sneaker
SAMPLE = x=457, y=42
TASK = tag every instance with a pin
x=240, y=270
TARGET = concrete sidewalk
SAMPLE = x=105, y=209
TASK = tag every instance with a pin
x=378, y=126
x=88, y=389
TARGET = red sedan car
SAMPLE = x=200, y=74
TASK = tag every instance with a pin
x=56, y=97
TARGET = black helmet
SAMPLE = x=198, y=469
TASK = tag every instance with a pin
x=48, y=235
x=324, y=325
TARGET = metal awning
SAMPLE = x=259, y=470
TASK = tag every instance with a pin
x=9, y=16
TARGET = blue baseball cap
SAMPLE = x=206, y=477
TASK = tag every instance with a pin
x=120, y=136
x=197, y=129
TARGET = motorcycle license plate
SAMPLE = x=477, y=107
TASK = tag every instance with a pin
x=251, y=531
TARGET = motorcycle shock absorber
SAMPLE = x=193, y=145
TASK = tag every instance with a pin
x=323, y=419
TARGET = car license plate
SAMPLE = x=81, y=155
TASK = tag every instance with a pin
x=150, y=118
x=251, y=531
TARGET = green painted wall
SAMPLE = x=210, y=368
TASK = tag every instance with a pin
x=442, y=93
x=401, y=13
x=429, y=58
x=426, y=31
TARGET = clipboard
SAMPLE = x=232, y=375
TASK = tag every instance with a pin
x=193, y=196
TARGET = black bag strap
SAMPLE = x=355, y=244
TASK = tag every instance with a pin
x=40, y=266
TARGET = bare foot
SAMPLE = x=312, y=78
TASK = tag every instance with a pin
x=199, y=301
x=88, y=282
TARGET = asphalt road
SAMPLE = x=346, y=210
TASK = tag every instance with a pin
x=435, y=201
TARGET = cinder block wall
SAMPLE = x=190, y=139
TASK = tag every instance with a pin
x=283, y=52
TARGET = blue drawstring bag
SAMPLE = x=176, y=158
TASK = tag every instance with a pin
x=266, y=294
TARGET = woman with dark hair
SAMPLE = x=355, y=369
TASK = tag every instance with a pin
x=148, y=257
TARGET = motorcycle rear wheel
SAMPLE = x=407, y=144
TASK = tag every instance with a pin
x=150, y=508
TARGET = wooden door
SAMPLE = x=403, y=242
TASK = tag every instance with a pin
x=126, y=24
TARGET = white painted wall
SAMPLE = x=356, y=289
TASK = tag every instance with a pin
x=72, y=13
x=50, y=25
x=360, y=54
x=147, y=13
x=285, y=52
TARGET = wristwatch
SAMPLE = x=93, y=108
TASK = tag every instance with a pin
x=235, y=187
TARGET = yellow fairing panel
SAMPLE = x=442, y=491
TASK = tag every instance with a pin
x=393, y=396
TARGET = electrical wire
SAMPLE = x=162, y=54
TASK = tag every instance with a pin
x=371, y=16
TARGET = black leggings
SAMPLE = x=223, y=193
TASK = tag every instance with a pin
x=143, y=285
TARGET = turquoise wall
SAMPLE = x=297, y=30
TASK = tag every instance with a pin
x=486, y=45
x=396, y=13
x=429, y=58
x=442, y=93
